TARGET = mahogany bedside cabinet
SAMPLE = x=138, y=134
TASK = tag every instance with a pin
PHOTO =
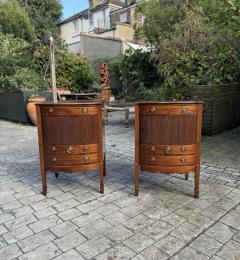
x=70, y=137
x=168, y=138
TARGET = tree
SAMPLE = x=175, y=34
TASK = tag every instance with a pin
x=14, y=20
x=196, y=42
x=44, y=15
x=156, y=14
x=18, y=71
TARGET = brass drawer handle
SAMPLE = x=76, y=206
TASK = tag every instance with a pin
x=85, y=110
x=54, y=159
x=50, y=110
x=153, y=159
x=183, y=149
x=69, y=149
x=168, y=150
x=85, y=148
x=183, y=160
x=86, y=158
x=153, y=109
x=53, y=149
x=153, y=149
x=184, y=109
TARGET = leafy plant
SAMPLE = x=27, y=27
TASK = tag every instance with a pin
x=195, y=42
x=137, y=69
x=14, y=20
x=17, y=71
x=73, y=71
x=44, y=15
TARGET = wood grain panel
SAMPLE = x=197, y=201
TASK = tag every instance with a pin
x=70, y=129
x=175, y=149
x=77, y=149
x=168, y=130
x=71, y=159
x=167, y=160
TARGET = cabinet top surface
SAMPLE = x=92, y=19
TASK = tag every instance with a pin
x=70, y=103
x=168, y=102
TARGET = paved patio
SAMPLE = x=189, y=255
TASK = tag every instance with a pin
x=75, y=222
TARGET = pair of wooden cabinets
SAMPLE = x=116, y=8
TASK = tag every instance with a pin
x=167, y=139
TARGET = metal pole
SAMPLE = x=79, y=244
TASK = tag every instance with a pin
x=53, y=71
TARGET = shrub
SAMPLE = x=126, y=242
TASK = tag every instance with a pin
x=73, y=71
x=137, y=70
x=194, y=43
x=17, y=71
x=14, y=20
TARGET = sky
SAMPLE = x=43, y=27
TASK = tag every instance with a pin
x=71, y=7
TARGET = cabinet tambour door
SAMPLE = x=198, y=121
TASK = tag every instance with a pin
x=68, y=129
x=168, y=129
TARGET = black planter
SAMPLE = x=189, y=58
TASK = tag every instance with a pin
x=222, y=107
x=13, y=105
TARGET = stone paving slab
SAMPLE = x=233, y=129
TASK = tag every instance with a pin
x=76, y=222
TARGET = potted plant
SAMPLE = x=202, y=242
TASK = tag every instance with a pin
x=31, y=108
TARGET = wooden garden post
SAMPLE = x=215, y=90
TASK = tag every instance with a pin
x=53, y=71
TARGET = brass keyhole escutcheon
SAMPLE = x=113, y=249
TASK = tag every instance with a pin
x=168, y=150
x=153, y=159
x=69, y=149
x=53, y=149
x=153, y=149
x=54, y=159
x=183, y=149
x=153, y=109
x=86, y=158
x=85, y=110
x=184, y=109
x=50, y=110
x=85, y=148
x=183, y=160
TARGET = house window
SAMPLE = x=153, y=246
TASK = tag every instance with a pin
x=91, y=20
x=76, y=26
x=123, y=18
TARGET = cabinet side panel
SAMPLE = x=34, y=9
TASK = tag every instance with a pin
x=70, y=129
x=168, y=129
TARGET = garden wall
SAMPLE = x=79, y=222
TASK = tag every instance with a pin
x=96, y=48
x=222, y=107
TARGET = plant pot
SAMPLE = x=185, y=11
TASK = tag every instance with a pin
x=31, y=108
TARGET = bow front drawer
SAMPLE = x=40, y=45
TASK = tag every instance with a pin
x=146, y=149
x=159, y=160
x=61, y=111
x=152, y=109
x=71, y=159
x=71, y=149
